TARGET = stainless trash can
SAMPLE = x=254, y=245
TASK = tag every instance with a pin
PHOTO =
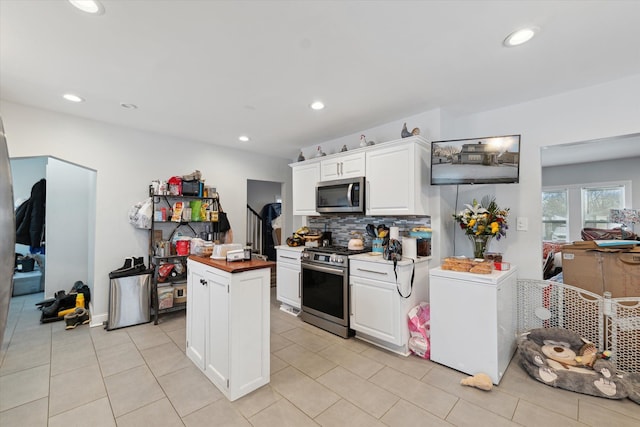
x=129, y=301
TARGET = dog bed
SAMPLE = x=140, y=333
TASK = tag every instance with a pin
x=561, y=358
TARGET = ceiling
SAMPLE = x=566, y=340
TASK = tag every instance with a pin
x=212, y=70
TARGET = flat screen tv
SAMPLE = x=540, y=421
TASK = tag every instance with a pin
x=490, y=160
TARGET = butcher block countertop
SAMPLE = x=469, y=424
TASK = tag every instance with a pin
x=233, y=267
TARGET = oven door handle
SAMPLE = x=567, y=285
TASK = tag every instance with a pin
x=337, y=271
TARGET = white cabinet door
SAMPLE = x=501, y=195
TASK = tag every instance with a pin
x=217, y=357
x=390, y=181
x=304, y=179
x=288, y=282
x=343, y=166
x=197, y=315
x=375, y=309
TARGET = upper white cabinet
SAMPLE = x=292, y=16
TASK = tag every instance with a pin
x=343, y=166
x=397, y=174
x=397, y=178
x=304, y=179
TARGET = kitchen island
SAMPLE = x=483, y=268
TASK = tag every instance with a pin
x=228, y=327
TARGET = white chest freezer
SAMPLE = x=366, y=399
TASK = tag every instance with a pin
x=473, y=320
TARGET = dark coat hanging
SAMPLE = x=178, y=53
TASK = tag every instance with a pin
x=30, y=217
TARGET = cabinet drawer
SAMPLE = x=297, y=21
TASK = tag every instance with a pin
x=372, y=270
x=289, y=257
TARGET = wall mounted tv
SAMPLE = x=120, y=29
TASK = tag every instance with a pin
x=490, y=160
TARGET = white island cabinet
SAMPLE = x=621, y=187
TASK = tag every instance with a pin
x=228, y=331
x=473, y=320
x=380, y=302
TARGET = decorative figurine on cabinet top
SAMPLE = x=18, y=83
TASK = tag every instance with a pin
x=405, y=133
x=344, y=148
x=320, y=152
x=363, y=141
x=301, y=157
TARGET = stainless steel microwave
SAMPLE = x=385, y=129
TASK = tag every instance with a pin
x=340, y=196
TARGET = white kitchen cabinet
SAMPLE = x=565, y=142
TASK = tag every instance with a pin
x=228, y=332
x=398, y=178
x=288, y=271
x=304, y=179
x=378, y=312
x=473, y=320
x=342, y=166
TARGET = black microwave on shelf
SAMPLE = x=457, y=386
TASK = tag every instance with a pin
x=341, y=196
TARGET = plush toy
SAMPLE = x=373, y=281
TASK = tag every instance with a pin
x=481, y=381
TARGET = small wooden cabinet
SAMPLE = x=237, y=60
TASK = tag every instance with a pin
x=228, y=331
x=288, y=282
x=343, y=166
x=378, y=312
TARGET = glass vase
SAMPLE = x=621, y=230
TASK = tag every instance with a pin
x=480, y=244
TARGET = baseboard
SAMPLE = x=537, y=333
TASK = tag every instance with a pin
x=97, y=319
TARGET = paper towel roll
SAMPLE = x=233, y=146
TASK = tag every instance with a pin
x=409, y=247
x=394, y=232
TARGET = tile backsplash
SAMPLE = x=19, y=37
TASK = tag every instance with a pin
x=341, y=226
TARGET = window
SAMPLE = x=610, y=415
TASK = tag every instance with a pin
x=555, y=211
x=596, y=203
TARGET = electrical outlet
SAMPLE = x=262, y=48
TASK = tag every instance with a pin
x=522, y=223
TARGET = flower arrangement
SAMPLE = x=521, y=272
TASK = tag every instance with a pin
x=484, y=219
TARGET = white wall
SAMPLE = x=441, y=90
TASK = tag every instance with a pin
x=126, y=161
x=260, y=193
x=600, y=111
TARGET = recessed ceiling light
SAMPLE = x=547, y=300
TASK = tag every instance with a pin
x=317, y=105
x=244, y=138
x=519, y=37
x=89, y=6
x=73, y=98
x=128, y=106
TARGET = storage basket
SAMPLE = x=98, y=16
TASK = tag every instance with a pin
x=165, y=297
x=179, y=294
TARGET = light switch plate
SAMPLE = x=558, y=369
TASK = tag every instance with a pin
x=522, y=223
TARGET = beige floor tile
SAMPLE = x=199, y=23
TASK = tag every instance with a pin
x=354, y=362
x=306, y=339
x=468, y=414
x=256, y=401
x=531, y=415
x=71, y=338
x=277, y=364
x=157, y=414
x=23, y=387
x=103, y=339
x=189, y=390
x=597, y=415
x=30, y=414
x=626, y=407
x=281, y=414
x=410, y=365
x=119, y=358
x=172, y=321
x=354, y=344
x=427, y=397
x=220, y=413
x=179, y=337
x=344, y=413
x=306, y=394
x=367, y=396
x=404, y=414
x=448, y=380
x=165, y=358
x=147, y=336
x=39, y=335
x=278, y=343
x=306, y=361
x=75, y=388
x=279, y=325
x=65, y=359
x=132, y=389
x=95, y=414
x=24, y=356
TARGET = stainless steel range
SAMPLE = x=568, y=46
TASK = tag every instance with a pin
x=325, y=288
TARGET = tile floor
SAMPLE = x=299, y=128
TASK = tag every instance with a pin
x=139, y=376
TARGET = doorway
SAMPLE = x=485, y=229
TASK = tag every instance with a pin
x=70, y=218
x=264, y=216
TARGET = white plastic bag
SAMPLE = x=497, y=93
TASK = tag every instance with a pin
x=141, y=214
